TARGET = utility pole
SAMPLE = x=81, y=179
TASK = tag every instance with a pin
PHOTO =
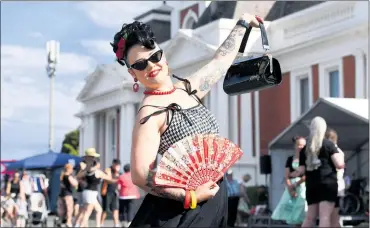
x=52, y=50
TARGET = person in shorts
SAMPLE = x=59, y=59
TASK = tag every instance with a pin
x=110, y=196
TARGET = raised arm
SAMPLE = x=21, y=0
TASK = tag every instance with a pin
x=145, y=144
x=210, y=74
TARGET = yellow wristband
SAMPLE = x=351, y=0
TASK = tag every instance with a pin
x=193, y=203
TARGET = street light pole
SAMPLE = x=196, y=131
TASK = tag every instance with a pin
x=52, y=49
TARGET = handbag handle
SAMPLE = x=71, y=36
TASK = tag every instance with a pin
x=265, y=42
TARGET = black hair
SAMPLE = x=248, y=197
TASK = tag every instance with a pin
x=126, y=168
x=295, y=138
x=134, y=33
x=116, y=162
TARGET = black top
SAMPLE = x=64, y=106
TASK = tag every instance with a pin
x=15, y=188
x=289, y=164
x=81, y=185
x=112, y=187
x=92, y=182
x=66, y=187
x=326, y=173
x=157, y=211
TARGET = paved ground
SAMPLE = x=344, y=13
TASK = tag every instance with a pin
x=108, y=223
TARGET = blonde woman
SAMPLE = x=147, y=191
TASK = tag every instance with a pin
x=16, y=200
x=333, y=136
x=65, y=201
x=319, y=161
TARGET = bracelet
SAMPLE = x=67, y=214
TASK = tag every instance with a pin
x=243, y=23
x=193, y=203
x=187, y=199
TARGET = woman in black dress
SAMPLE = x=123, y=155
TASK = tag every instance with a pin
x=319, y=160
x=169, y=113
x=65, y=201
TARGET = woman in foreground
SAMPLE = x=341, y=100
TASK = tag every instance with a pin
x=169, y=113
x=319, y=160
x=292, y=205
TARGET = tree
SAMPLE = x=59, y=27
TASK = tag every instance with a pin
x=70, y=143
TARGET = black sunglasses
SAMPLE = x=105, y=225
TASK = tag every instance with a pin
x=142, y=64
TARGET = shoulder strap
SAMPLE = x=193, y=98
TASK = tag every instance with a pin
x=188, y=87
x=171, y=107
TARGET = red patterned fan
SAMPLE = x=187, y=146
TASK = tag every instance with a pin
x=196, y=160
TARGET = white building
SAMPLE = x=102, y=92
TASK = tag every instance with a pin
x=322, y=48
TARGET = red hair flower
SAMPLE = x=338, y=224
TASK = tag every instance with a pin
x=121, y=48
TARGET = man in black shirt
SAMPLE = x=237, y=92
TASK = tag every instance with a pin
x=110, y=194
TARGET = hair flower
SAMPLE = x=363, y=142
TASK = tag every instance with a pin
x=121, y=47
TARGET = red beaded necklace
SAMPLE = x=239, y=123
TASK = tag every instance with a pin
x=160, y=92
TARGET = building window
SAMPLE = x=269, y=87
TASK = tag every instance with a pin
x=190, y=20
x=113, y=135
x=334, y=83
x=304, y=95
x=136, y=107
x=190, y=23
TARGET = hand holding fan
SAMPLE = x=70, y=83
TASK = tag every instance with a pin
x=195, y=160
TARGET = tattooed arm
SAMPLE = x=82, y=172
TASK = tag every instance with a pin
x=145, y=144
x=210, y=74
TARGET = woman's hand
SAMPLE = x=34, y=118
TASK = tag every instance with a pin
x=252, y=20
x=82, y=165
x=206, y=191
x=291, y=187
x=293, y=193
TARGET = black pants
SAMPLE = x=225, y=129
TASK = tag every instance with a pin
x=110, y=202
x=232, y=210
x=126, y=210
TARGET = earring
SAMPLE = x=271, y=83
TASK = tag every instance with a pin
x=135, y=87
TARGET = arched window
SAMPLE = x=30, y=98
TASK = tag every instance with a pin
x=190, y=23
x=190, y=20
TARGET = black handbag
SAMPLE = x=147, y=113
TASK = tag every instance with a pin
x=248, y=74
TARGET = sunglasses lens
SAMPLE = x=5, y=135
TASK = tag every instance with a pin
x=140, y=65
x=156, y=57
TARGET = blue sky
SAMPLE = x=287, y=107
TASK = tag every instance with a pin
x=84, y=30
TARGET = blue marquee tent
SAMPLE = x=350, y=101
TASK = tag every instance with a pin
x=50, y=160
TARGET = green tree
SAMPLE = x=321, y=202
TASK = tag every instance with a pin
x=70, y=143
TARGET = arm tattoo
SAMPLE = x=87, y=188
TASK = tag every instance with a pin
x=207, y=81
x=170, y=193
x=225, y=55
x=229, y=44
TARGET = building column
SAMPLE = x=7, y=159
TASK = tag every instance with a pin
x=92, y=123
x=360, y=74
x=101, y=145
x=222, y=110
x=233, y=119
x=213, y=101
x=81, y=137
x=126, y=124
x=246, y=143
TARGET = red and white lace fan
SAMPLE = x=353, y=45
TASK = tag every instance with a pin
x=196, y=160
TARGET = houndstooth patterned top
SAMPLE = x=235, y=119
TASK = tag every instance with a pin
x=184, y=122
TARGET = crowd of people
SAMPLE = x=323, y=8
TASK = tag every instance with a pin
x=93, y=189
x=83, y=189
x=16, y=194
x=314, y=179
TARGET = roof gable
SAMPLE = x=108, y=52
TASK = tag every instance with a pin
x=106, y=78
x=185, y=48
